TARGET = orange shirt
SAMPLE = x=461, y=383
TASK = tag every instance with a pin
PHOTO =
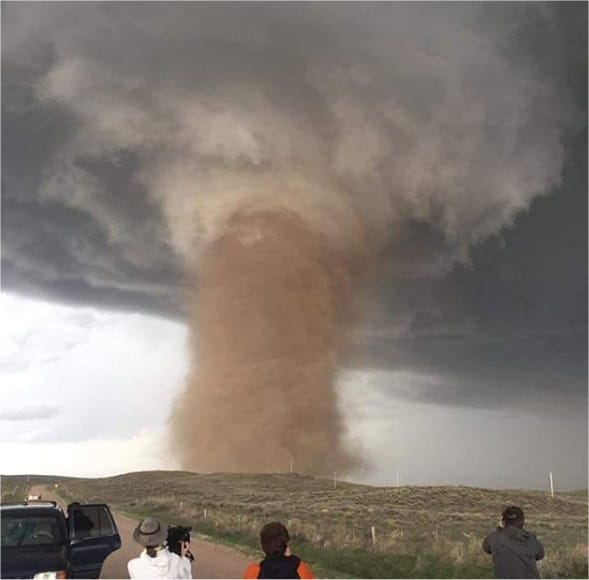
x=303, y=571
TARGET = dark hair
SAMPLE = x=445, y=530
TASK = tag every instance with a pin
x=151, y=551
x=274, y=539
x=177, y=535
x=513, y=517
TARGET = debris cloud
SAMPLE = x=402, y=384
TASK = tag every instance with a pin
x=269, y=320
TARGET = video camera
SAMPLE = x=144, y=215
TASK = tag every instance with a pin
x=177, y=535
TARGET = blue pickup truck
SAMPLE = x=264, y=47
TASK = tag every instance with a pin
x=40, y=541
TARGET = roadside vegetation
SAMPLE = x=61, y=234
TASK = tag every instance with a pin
x=15, y=488
x=352, y=530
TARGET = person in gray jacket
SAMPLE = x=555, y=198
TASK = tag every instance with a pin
x=514, y=549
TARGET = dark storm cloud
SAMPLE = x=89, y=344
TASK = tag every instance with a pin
x=509, y=327
x=100, y=101
x=61, y=252
x=68, y=257
x=531, y=276
x=528, y=372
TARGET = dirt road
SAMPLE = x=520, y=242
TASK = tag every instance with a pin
x=211, y=560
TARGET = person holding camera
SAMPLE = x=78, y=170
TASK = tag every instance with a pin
x=156, y=561
x=178, y=541
x=514, y=549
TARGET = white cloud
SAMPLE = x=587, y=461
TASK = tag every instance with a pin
x=98, y=458
x=27, y=412
x=104, y=374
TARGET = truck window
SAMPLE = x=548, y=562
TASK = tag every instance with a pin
x=31, y=530
x=91, y=522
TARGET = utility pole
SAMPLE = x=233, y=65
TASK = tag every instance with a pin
x=551, y=484
x=291, y=465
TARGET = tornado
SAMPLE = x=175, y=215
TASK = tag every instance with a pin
x=269, y=322
x=278, y=151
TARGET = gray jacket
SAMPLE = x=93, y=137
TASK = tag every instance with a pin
x=514, y=551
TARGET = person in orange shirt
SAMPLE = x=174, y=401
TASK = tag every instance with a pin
x=279, y=562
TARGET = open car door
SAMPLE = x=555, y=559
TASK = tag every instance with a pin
x=93, y=536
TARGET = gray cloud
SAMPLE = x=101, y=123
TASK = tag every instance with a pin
x=529, y=372
x=437, y=125
x=425, y=115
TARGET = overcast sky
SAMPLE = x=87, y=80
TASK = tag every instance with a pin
x=469, y=365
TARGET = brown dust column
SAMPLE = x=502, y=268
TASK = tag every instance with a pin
x=268, y=324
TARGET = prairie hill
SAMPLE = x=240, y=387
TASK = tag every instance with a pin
x=419, y=531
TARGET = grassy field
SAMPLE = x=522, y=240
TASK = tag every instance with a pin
x=421, y=532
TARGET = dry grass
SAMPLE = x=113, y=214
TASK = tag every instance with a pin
x=421, y=523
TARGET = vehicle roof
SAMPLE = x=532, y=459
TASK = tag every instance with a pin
x=45, y=505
